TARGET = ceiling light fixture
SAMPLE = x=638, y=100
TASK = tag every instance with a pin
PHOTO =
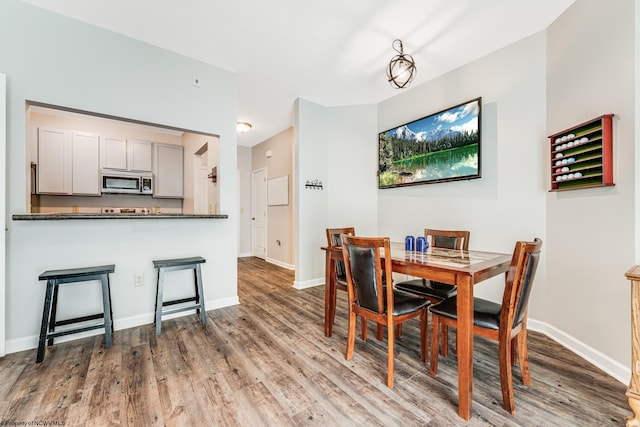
x=243, y=127
x=402, y=68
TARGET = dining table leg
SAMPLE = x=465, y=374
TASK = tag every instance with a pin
x=464, y=343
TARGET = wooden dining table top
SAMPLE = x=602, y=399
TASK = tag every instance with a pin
x=442, y=264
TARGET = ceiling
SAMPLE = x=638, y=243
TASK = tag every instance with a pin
x=330, y=52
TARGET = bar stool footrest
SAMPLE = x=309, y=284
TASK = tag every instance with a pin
x=75, y=331
x=78, y=319
x=180, y=309
x=179, y=301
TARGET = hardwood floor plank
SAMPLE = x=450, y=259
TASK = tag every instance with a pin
x=139, y=404
x=267, y=362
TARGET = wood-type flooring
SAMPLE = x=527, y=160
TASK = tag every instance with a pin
x=266, y=362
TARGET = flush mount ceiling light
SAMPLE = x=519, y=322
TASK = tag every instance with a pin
x=402, y=68
x=243, y=127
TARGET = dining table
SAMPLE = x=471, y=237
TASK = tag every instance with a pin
x=464, y=269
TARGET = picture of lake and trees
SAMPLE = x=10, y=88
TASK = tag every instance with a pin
x=442, y=147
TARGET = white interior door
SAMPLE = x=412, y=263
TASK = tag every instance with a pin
x=259, y=213
x=3, y=174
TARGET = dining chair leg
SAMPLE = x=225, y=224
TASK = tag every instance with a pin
x=351, y=336
x=444, y=348
x=363, y=326
x=332, y=307
x=423, y=335
x=524, y=358
x=399, y=330
x=435, y=335
x=506, y=377
x=390, y=354
x=379, y=332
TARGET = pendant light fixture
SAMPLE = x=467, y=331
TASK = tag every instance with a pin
x=402, y=68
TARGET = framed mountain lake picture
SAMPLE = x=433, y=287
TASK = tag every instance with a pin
x=444, y=146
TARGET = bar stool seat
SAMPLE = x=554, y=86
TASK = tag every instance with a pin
x=197, y=300
x=55, y=278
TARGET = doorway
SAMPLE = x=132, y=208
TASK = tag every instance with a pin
x=259, y=212
x=201, y=181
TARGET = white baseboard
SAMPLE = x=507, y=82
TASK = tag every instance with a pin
x=602, y=361
x=245, y=255
x=280, y=263
x=308, y=283
x=31, y=342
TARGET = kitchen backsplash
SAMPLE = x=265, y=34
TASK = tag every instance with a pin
x=80, y=204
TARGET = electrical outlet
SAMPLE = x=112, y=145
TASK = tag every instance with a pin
x=138, y=279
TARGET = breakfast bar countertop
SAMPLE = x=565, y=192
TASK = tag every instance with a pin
x=65, y=216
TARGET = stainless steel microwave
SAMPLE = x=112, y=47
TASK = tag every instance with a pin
x=127, y=182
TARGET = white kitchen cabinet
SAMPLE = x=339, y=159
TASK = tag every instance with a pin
x=114, y=153
x=54, y=161
x=68, y=162
x=168, y=171
x=139, y=156
x=128, y=155
x=85, y=164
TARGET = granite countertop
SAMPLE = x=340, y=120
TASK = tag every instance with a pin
x=65, y=216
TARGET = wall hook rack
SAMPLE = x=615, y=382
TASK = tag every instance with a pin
x=314, y=185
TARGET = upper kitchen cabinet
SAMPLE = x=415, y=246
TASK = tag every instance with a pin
x=68, y=162
x=85, y=164
x=54, y=161
x=168, y=171
x=139, y=156
x=123, y=154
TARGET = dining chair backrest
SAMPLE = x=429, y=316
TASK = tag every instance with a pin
x=519, y=281
x=334, y=239
x=448, y=239
x=365, y=269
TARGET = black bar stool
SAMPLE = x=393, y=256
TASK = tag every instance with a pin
x=49, y=322
x=198, y=300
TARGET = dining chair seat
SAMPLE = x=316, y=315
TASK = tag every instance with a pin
x=427, y=288
x=404, y=303
x=486, y=314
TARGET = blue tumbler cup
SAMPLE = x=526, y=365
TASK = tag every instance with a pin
x=409, y=243
x=421, y=244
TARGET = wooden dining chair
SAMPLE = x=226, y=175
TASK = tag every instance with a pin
x=369, y=298
x=432, y=290
x=505, y=323
x=334, y=239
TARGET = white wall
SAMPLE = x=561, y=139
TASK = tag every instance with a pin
x=311, y=209
x=591, y=240
x=508, y=203
x=3, y=145
x=352, y=166
x=335, y=145
x=59, y=61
